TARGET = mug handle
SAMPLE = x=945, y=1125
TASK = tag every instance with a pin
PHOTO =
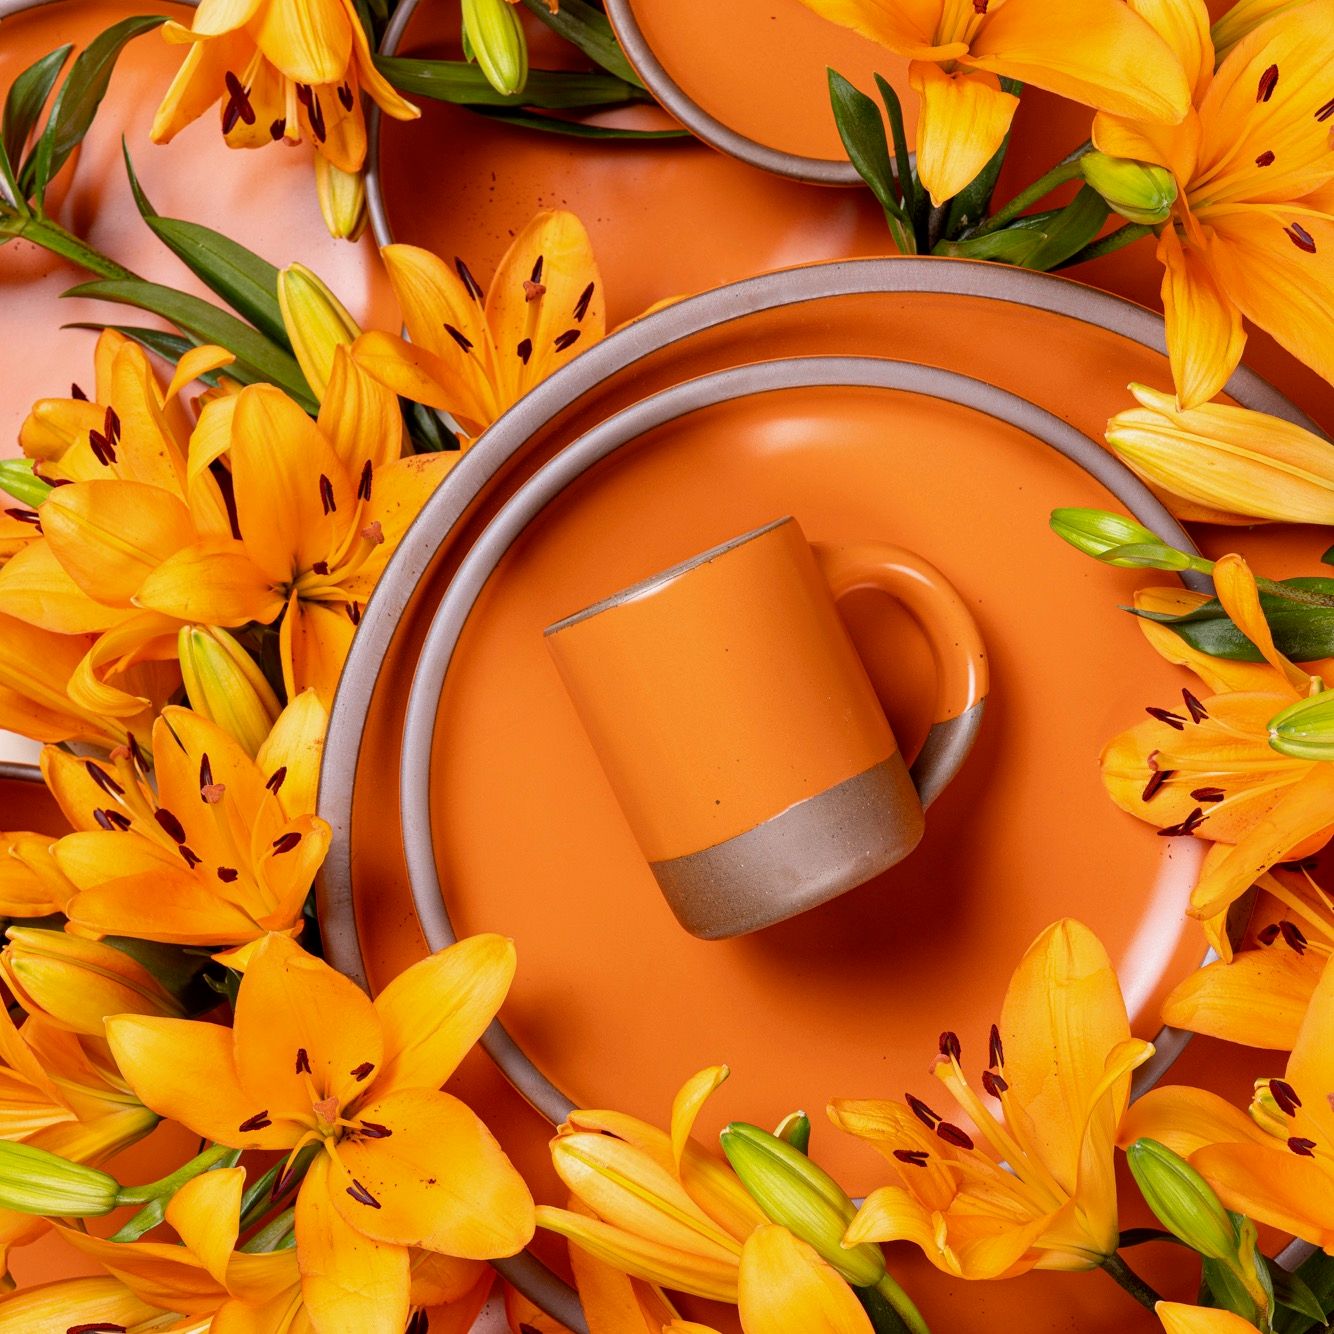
x=956, y=646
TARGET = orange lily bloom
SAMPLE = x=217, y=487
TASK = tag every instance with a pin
x=475, y=356
x=320, y=505
x=311, y=1060
x=217, y=855
x=1094, y=51
x=1208, y=769
x=1059, y=1065
x=1252, y=231
x=1277, y=1165
x=279, y=69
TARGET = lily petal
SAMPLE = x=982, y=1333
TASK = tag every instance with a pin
x=214, y=583
x=206, y=1213
x=964, y=119
x=1186, y=1119
x=1258, y=1000
x=311, y=42
x=1179, y=1318
x=785, y=1285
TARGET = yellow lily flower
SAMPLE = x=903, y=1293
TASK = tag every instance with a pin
x=279, y=70
x=321, y=506
x=1224, y=464
x=1179, y=1318
x=1277, y=1165
x=218, y=855
x=75, y=983
x=83, y=1303
x=1252, y=232
x=30, y=882
x=1059, y=1064
x=474, y=356
x=1208, y=769
x=311, y=1060
x=1094, y=51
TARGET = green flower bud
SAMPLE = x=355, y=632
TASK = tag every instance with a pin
x=1181, y=1200
x=496, y=38
x=1305, y=730
x=795, y=1129
x=18, y=480
x=803, y=1198
x=1138, y=191
x=225, y=685
x=342, y=196
x=316, y=323
x=33, y=1181
x=1098, y=532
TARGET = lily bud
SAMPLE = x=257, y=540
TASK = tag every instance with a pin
x=1243, y=18
x=496, y=38
x=795, y=1129
x=33, y=1181
x=1097, y=533
x=342, y=196
x=18, y=480
x=801, y=1197
x=225, y=685
x=77, y=983
x=1305, y=730
x=1237, y=464
x=316, y=323
x=1138, y=191
x=1182, y=1200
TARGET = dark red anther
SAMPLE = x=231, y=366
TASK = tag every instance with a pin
x=362, y=1072
x=471, y=283
x=118, y=821
x=97, y=1327
x=189, y=856
x=364, y=481
x=914, y=1157
x=568, y=339
x=76, y=392
x=1292, y=936
x=1304, y=1148
x=205, y=771
x=104, y=451
x=362, y=1195
x=993, y=1083
x=1268, y=82
x=137, y=755
x=922, y=1112
x=302, y=1061
x=1173, y=720
x=951, y=1134
x=327, y=495
x=1300, y=237
x=1208, y=794
x=316, y=114
x=995, y=1049
x=238, y=104
x=581, y=306
x=228, y=874
x=26, y=516
x=524, y=350
x=1269, y=935
x=1198, y=713
x=1326, y=111
x=286, y=842
x=259, y=1121
x=980, y=6
x=1188, y=826
x=276, y=779
x=103, y=818
x=278, y=129
x=173, y=827
x=374, y=1130
x=459, y=337
x=111, y=426
x=950, y=1045
x=536, y=275
x=345, y=96
x=320, y=567
x=103, y=779
x=1266, y=159
x=1285, y=1096
x=354, y=612
x=1156, y=779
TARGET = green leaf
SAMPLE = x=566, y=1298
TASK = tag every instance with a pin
x=466, y=85
x=862, y=130
x=78, y=99
x=1036, y=240
x=27, y=96
x=531, y=120
x=589, y=30
x=258, y=355
x=1302, y=631
x=241, y=278
x=1328, y=557
x=915, y=199
x=429, y=433
x=1070, y=230
x=1293, y=1292
x=1317, y=1274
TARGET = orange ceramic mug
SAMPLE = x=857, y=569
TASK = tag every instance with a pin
x=741, y=733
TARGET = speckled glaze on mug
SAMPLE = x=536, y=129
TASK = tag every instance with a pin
x=741, y=733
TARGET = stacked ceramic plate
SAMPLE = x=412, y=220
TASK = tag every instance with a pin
x=946, y=407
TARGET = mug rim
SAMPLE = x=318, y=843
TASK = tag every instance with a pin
x=643, y=587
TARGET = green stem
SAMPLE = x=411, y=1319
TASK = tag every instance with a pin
x=903, y=1305
x=52, y=236
x=272, y=1234
x=1113, y=241
x=1065, y=170
x=1301, y=595
x=1131, y=1281
x=214, y=1156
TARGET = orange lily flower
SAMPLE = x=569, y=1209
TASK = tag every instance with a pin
x=311, y=1060
x=474, y=356
x=1094, y=51
x=1277, y=1165
x=1208, y=769
x=1178, y=1318
x=320, y=505
x=30, y=882
x=1252, y=231
x=1059, y=1065
x=279, y=69
x=92, y=1303
x=221, y=854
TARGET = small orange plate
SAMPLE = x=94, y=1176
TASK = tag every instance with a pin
x=613, y=1001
